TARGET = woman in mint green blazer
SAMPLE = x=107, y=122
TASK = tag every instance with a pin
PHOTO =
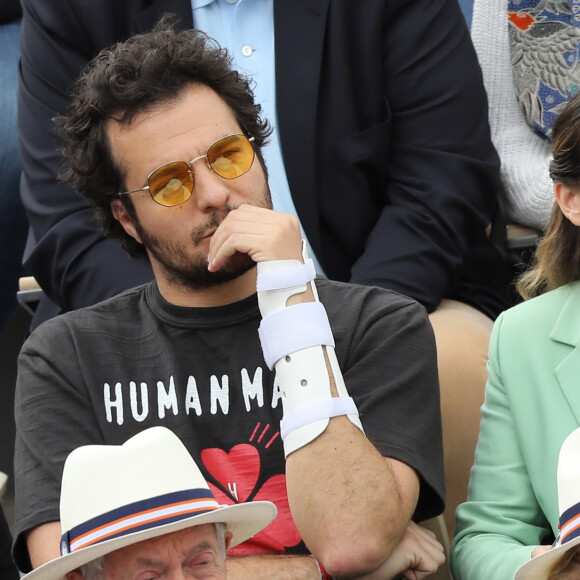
x=532, y=399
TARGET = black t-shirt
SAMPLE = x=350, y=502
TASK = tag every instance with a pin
x=103, y=373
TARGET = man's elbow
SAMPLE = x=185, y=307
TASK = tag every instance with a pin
x=353, y=558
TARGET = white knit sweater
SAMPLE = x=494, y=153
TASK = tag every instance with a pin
x=524, y=156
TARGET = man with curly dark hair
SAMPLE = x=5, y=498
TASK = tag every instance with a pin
x=380, y=147
x=277, y=390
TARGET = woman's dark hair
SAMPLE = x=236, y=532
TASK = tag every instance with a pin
x=557, y=258
x=132, y=77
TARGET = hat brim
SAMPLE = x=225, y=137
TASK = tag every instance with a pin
x=538, y=568
x=243, y=521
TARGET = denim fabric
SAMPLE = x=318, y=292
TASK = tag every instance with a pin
x=13, y=225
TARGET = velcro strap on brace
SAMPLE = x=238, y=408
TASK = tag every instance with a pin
x=333, y=407
x=287, y=274
x=294, y=328
x=297, y=341
x=278, y=280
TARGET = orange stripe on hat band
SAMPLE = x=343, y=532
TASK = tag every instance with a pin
x=138, y=516
x=570, y=524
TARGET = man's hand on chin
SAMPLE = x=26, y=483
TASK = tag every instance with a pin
x=261, y=233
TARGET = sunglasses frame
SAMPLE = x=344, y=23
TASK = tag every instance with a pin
x=190, y=163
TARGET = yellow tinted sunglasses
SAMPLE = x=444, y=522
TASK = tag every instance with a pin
x=173, y=184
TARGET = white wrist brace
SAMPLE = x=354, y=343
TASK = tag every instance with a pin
x=292, y=340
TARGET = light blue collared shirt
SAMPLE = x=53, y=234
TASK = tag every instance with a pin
x=246, y=29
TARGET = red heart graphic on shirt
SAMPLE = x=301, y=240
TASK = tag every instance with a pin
x=237, y=471
x=282, y=528
x=280, y=534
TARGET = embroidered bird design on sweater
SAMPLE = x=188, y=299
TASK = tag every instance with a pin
x=544, y=46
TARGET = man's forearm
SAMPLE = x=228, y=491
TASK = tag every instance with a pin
x=43, y=543
x=350, y=505
x=266, y=567
x=418, y=553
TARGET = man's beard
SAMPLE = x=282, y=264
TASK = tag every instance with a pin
x=191, y=272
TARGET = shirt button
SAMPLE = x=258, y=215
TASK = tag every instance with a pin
x=247, y=50
x=231, y=1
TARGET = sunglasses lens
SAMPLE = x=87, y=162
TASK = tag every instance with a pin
x=231, y=157
x=171, y=184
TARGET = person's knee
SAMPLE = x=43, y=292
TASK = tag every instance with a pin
x=462, y=337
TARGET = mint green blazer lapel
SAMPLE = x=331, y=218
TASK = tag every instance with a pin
x=567, y=331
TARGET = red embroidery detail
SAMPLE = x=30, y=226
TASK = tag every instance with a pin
x=521, y=20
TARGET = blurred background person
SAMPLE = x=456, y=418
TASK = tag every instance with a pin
x=529, y=56
x=13, y=225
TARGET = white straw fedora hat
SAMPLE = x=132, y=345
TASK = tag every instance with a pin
x=113, y=496
x=568, y=477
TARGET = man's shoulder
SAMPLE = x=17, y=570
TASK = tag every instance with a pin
x=341, y=296
x=107, y=312
x=354, y=309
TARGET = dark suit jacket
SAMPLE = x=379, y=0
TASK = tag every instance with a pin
x=383, y=123
x=10, y=10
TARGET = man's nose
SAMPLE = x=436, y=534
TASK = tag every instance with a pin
x=210, y=192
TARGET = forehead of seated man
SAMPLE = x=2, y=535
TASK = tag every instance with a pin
x=176, y=129
x=193, y=553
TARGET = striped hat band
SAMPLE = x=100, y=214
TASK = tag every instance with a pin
x=138, y=516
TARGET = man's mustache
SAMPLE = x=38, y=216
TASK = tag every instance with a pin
x=212, y=223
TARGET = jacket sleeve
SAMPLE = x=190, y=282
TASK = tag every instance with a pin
x=443, y=172
x=10, y=10
x=72, y=261
x=501, y=522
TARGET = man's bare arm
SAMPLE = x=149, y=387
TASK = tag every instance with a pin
x=266, y=567
x=353, y=516
x=358, y=503
x=44, y=543
x=418, y=556
x=350, y=504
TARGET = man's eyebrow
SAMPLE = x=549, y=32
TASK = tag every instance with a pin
x=200, y=547
x=144, y=561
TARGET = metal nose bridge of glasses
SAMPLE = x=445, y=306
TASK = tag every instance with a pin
x=173, y=183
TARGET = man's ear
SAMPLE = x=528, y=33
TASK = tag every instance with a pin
x=74, y=575
x=568, y=198
x=122, y=216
